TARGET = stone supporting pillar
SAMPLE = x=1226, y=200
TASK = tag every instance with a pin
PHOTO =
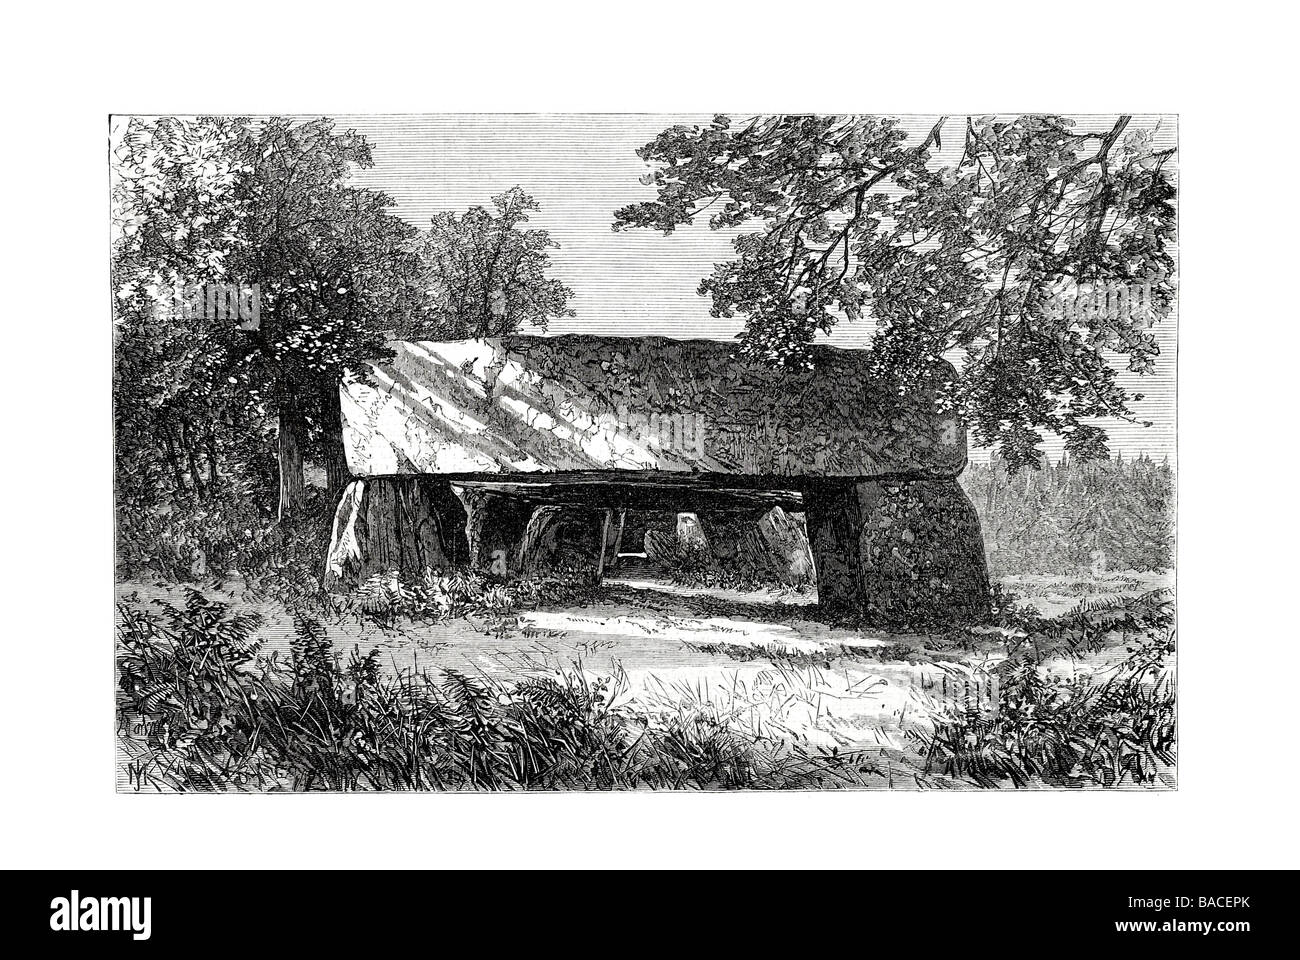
x=562, y=539
x=833, y=518
x=495, y=530
x=898, y=552
x=405, y=526
x=766, y=544
x=541, y=540
x=727, y=531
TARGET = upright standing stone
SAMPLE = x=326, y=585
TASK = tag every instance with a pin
x=406, y=526
x=541, y=540
x=898, y=552
x=495, y=530
x=766, y=545
x=561, y=539
x=691, y=531
x=786, y=539
x=833, y=518
x=726, y=531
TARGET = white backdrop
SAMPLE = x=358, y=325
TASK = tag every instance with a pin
x=66, y=71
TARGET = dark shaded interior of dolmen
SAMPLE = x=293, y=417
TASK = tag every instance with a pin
x=893, y=551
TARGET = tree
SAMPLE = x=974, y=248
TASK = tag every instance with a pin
x=268, y=207
x=487, y=275
x=180, y=409
x=339, y=277
x=974, y=257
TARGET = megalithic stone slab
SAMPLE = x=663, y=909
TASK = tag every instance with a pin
x=787, y=541
x=495, y=529
x=403, y=526
x=833, y=516
x=767, y=544
x=581, y=403
x=541, y=540
x=898, y=552
x=605, y=423
x=561, y=540
x=726, y=531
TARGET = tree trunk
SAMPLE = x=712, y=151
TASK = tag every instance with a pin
x=214, y=477
x=187, y=440
x=337, y=475
x=292, y=434
x=174, y=462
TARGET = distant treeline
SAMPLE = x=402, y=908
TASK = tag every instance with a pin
x=1075, y=517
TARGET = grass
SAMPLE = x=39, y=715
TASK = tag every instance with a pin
x=1111, y=727
x=1036, y=728
x=1075, y=586
x=1000, y=715
x=437, y=597
x=200, y=709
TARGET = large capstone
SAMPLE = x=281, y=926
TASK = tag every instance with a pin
x=588, y=403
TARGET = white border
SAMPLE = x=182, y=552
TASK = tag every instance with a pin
x=1223, y=74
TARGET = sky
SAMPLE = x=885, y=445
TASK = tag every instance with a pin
x=582, y=167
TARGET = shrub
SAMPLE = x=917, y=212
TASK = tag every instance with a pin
x=1088, y=626
x=226, y=534
x=1043, y=729
x=192, y=677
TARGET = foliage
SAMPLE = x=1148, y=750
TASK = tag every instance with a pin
x=201, y=398
x=971, y=255
x=218, y=716
x=226, y=538
x=488, y=274
x=1110, y=730
x=215, y=420
x=193, y=678
x=1074, y=517
x=1090, y=625
x=177, y=411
